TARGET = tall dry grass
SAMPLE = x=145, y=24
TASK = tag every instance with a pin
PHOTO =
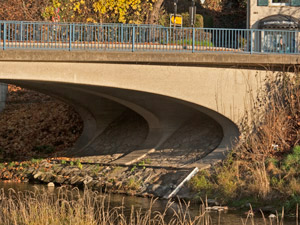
x=259, y=166
x=270, y=133
x=86, y=208
x=273, y=127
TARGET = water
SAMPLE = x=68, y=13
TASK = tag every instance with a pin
x=222, y=218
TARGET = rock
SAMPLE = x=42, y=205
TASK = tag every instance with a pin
x=51, y=184
x=30, y=170
x=87, y=179
x=47, y=177
x=272, y=216
x=76, y=180
x=59, y=179
x=216, y=208
x=92, y=184
x=37, y=175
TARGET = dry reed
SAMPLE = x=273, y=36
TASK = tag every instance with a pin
x=86, y=208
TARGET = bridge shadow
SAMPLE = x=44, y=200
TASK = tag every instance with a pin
x=131, y=125
x=196, y=138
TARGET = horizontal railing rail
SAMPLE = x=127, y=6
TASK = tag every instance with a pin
x=144, y=37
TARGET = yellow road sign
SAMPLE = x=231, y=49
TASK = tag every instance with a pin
x=178, y=20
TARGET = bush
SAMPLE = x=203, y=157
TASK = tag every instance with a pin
x=292, y=160
x=186, y=20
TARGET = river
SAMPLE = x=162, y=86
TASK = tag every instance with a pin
x=224, y=217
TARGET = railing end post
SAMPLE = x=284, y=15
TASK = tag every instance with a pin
x=4, y=35
x=251, y=41
x=193, y=41
x=133, y=38
x=70, y=36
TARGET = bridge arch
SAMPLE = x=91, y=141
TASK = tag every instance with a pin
x=165, y=95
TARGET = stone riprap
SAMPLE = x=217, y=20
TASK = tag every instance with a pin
x=135, y=180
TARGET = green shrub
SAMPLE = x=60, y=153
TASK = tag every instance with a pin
x=36, y=160
x=186, y=20
x=11, y=164
x=292, y=160
x=291, y=203
x=201, y=183
x=78, y=164
x=227, y=182
x=133, y=184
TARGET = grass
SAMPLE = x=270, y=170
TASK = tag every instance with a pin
x=133, y=184
x=197, y=43
x=86, y=208
x=206, y=43
x=36, y=161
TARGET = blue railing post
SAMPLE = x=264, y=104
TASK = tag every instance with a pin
x=251, y=41
x=296, y=42
x=193, y=42
x=21, y=31
x=167, y=29
x=122, y=33
x=133, y=38
x=70, y=36
x=73, y=33
x=4, y=36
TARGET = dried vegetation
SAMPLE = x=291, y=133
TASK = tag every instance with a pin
x=36, y=125
x=264, y=166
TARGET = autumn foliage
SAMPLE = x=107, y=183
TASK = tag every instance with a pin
x=100, y=11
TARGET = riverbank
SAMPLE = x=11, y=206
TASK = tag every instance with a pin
x=262, y=171
x=138, y=180
x=34, y=125
x=264, y=168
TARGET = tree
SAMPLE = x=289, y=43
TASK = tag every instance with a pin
x=26, y=10
x=154, y=15
x=104, y=11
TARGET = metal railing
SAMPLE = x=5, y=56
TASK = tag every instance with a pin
x=129, y=37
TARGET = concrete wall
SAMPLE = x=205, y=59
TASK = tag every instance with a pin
x=259, y=12
x=3, y=92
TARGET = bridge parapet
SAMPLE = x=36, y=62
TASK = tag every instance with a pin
x=128, y=37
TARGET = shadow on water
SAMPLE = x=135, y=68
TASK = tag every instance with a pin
x=116, y=200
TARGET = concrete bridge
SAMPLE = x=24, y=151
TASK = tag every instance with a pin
x=178, y=109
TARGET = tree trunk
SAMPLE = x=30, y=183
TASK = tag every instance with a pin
x=155, y=12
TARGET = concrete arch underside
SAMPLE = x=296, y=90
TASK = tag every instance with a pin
x=131, y=118
x=123, y=126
